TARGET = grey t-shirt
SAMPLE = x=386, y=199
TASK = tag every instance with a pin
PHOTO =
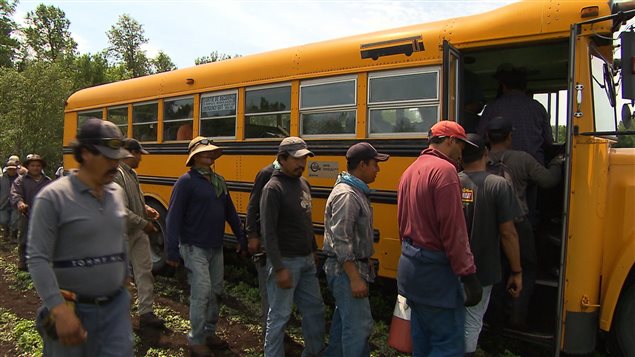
x=492, y=201
x=77, y=242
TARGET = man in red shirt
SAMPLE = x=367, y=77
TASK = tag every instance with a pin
x=435, y=248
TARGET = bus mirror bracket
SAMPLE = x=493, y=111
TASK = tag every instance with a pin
x=628, y=64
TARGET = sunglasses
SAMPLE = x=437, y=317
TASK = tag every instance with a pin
x=205, y=141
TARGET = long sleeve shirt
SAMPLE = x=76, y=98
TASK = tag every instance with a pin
x=348, y=230
x=6, y=182
x=127, y=178
x=286, y=223
x=197, y=216
x=25, y=187
x=430, y=212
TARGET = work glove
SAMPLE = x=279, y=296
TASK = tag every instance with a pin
x=473, y=289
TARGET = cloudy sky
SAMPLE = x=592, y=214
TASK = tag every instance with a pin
x=188, y=29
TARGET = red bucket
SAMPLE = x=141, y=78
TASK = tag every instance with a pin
x=399, y=336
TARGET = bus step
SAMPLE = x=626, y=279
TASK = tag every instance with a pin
x=547, y=282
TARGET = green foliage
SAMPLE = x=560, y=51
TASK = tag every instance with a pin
x=126, y=38
x=47, y=34
x=9, y=45
x=624, y=141
x=162, y=352
x=163, y=63
x=214, y=56
x=22, y=332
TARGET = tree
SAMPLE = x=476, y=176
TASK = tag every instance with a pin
x=90, y=70
x=47, y=34
x=213, y=57
x=163, y=63
x=8, y=44
x=126, y=38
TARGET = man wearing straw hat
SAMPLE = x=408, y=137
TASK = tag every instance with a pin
x=199, y=207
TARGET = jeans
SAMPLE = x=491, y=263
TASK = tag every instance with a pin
x=474, y=320
x=262, y=288
x=205, y=276
x=305, y=293
x=352, y=320
x=9, y=217
x=108, y=328
x=437, y=331
x=140, y=258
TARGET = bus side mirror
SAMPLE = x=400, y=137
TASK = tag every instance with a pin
x=627, y=116
x=628, y=65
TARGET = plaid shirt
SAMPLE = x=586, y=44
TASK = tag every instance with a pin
x=348, y=231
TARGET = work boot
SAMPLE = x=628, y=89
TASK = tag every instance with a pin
x=22, y=266
x=149, y=319
x=215, y=342
x=200, y=351
x=14, y=236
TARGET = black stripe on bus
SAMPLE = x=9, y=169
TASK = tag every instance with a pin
x=376, y=196
x=394, y=147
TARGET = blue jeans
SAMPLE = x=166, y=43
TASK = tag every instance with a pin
x=474, y=320
x=108, y=328
x=10, y=217
x=352, y=320
x=205, y=276
x=437, y=331
x=305, y=293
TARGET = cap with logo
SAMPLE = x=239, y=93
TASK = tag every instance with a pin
x=451, y=129
x=364, y=151
x=105, y=136
x=202, y=144
x=134, y=145
x=295, y=147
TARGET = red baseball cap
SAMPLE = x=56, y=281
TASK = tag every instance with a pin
x=452, y=129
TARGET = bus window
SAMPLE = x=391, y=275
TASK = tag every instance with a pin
x=145, y=121
x=119, y=116
x=218, y=114
x=177, y=118
x=83, y=116
x=403, y=101
x=268, y=112
x=328, y=106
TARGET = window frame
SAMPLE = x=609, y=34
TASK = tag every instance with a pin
x=329, y=108
x=98, y=110
x=163, y=121
x=403, y=104
x=125, y=106
x=235, y=116
x=249, y=115
x=148, y=122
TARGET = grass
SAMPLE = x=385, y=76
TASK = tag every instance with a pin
x=20, y=332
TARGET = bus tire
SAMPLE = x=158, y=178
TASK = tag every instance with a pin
x=157, y=242
x=622, y=336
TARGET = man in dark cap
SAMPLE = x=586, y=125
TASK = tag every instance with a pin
x=435, y=251
x=527, y=115
x=23, y=192
x=140, y=223
x=199, y=207
x=490, y=206
x=287, y=229
x=77, y=252
x=348, y=244
x=525, y=170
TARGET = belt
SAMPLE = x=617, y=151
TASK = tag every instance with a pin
x=98, y=300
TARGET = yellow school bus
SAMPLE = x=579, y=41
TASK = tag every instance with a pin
x=388, y=88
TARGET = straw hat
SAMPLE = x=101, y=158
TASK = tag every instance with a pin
x=202, y=144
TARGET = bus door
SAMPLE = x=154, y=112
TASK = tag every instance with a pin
x=452, y=82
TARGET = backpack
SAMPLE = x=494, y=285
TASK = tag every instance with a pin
x=500, y=169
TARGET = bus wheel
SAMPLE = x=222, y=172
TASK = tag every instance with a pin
x=622, y=333
x=157, y=244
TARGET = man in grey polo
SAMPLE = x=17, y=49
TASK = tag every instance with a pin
x=139, y=225
x=77, y=253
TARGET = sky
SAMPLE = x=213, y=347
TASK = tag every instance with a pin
x=188, y=29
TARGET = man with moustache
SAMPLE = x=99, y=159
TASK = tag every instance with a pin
x=435, y=250
x=348, y=243
x=198, y=209
x=287, y=229
x=77, y=252
x=139, y=224
x=23, y=192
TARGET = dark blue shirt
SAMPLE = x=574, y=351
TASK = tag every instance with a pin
x=197, y=216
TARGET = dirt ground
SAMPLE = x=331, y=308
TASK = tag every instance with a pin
x=243, y=341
